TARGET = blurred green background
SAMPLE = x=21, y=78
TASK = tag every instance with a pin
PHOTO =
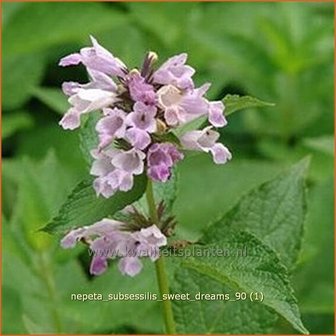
x=278, y=52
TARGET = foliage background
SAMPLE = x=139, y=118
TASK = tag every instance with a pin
x=278, y=52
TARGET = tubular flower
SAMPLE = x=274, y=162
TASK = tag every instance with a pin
x=140, y=112
x=108, y=239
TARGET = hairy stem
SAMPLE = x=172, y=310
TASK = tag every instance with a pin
x=160, y=267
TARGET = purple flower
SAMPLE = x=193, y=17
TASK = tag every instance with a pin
x=84, y=101
x=130, y=161
x=216, y=114
x=108, y=240
x=143, y=117
x=138, y=138
x=96, y=58
x=104, y=239
x=139, y=89
x=110, y=177
x=150, y=240
x=181, y=107
x=142, y=122
x=160, y=160
x=98, y=80
x=139, y=108
x=104, y=228
x=130, y=266
x=111, y=127
x=104, y=247
x=205, y=140
x=175, y=72
x=101, y=168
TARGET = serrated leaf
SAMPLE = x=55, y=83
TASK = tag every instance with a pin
x=274, y=212
x=235, y=103
x=88, y=137
x=53, y=98
x=83, y=207
x=217, y=316
x=248, y=265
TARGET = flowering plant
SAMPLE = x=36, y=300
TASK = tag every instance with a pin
x=136, y=134
x=138, y=124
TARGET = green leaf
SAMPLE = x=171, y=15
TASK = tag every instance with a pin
x=235, y=103
x=216, y=316
x=53, y=98
x=83, y=207
x=88, y=138
x=247, y=265
x=14, y=122
x=274, y=212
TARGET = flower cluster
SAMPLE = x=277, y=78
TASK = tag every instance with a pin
x=139, y=108
x=108, y=239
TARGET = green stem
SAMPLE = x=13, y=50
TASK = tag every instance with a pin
x=160, y=267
